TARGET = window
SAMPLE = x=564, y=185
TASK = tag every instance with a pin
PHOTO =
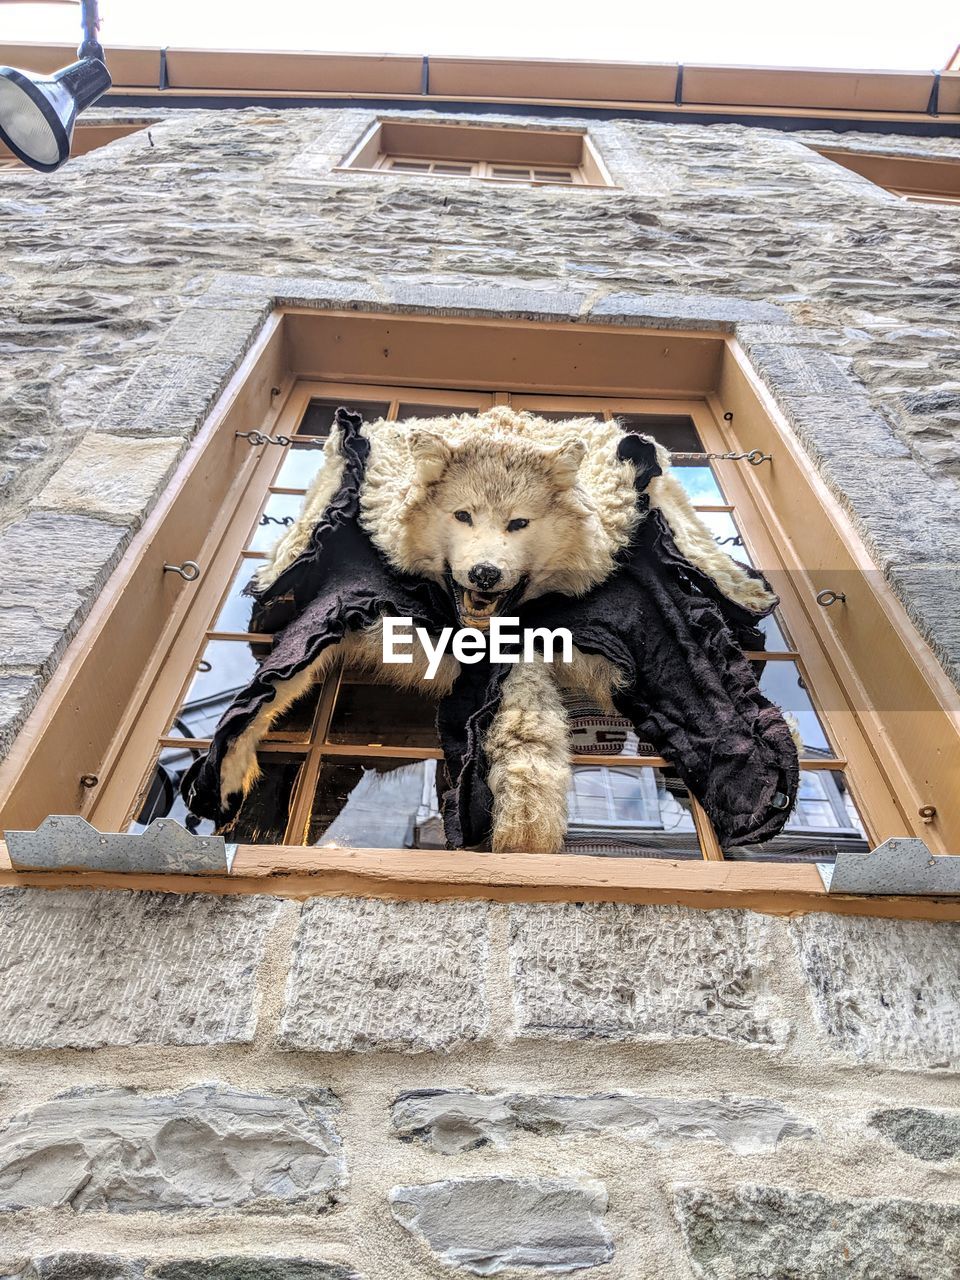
x=490, y=153
x=915, y=178
x=350, y=773
x=86, y=137
x=354, y=763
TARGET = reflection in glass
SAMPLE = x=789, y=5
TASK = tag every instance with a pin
x=675, y=432
x=624, y=811
x=371, y=715
x=235, y=611
x=299, y=469
x=824, y=823
x=726, y=534
x=225, y=667
x=279, y=514
x=263, y=818
x=319, y=415
x=595, y=733
x=377, y=804
x=776, y=637
x=783, y=684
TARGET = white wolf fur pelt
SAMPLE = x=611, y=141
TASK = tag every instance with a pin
x=566, y=480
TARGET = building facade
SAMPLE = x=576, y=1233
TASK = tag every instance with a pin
x=318, y=1079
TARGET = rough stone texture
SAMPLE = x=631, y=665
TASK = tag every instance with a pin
x=633, y=973
x=774, y=1233
x=90, y=1266
x=928, y=1135
x=111, y=476
x=53, y=566
x=18, y=694
x=884, y=991
x=844, y=294
x=83, y=969
x=413, y=977
x=449, y=1121
x=209, y=1147
x=484, y=1225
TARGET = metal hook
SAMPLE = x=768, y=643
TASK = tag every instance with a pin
x=826, y=598
x=190, y=571
x=258, y=437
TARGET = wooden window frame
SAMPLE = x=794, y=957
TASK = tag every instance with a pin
x=920, y=179
x=86, y=137
x=86, y=723
x=484, y=147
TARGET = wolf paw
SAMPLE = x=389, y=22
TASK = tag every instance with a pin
x=527, y=837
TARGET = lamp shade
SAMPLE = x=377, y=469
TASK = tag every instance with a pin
x=37, y=113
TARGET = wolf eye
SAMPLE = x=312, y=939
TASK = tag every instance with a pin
x=463, y=516
x=515, y=525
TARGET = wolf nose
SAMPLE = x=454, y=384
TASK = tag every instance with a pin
x=485, y=576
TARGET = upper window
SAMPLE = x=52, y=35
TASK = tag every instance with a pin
x=492, y=153
x=916, y=178
x=86, y=137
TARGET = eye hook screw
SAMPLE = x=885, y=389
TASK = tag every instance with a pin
x=190, y=571
x=826, y=598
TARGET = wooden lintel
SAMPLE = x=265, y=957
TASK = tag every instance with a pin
x=784, y=889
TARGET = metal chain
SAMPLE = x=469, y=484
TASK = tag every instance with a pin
x=257, y=438
x=754, y=457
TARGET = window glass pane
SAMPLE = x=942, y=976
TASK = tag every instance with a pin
x=595, y=733
x=824, y=823
x=782, y=683
x=772, y=627
x=407, y=411
x=235, y=611
x=162, y=796
x=449, y=166
x=700, y=484
x=377, y=804
x=263, y=818
x=675, y=432
x=726, y=534
x=552, y=175
x=624, y=811
x=225, y=667
x=278, y=515
x=411, y=166
x=371, y=715
x=299, y=468
x=501, y=171
x=318, y=418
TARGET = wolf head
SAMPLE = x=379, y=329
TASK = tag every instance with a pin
x=499, y=520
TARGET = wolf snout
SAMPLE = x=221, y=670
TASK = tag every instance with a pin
x=485, y=576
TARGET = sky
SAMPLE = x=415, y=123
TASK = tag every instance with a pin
x=877, y=34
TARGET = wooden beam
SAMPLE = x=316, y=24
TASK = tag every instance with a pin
x=784, y=889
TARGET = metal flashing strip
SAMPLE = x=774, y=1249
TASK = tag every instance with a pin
x=63, y=841
x=900, y=866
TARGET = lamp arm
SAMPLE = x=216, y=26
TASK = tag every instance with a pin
x=90, y=22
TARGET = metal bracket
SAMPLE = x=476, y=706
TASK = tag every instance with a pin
x=66, y=840
x=902, y=866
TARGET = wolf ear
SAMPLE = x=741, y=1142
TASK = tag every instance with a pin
x=563, y=463
x=431, y=454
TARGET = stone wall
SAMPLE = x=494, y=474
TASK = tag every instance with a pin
x=246, y=1088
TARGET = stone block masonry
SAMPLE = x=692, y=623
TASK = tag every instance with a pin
x=843, y=295
x=84, y=969
x=209, y=1088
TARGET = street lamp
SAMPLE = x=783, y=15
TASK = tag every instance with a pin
x=37, y=113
